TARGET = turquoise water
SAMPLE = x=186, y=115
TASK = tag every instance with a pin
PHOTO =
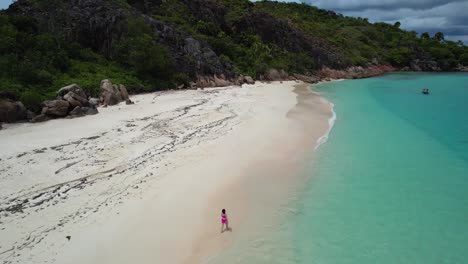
x=389, y=186
x=391, y=183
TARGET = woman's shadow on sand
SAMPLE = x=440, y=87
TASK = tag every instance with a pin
x=227, y=229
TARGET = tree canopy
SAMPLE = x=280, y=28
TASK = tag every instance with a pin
x=38, y=54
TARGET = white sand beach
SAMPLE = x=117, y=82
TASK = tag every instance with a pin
x=145, y=183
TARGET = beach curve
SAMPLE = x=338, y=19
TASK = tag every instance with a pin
x=146, y=182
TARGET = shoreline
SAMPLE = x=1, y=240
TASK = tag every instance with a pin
x=326, y=74
x=143, y=196
x=280, y=182
x=331, y=122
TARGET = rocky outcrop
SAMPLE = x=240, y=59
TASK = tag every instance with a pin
x=275, y=75
x=414, y=66
x=205, y=81
x=71, y=102
x=194, y=57
x=355, y=72
x=124, y=92
x=241, y=79
x=100, y=24
x=112, y=94
x=221, y=81
x=74, y=95
x=462, y=68
x=55, y=108
x=212, y=81
x=305, y=78
x=94, y=102
x=82, y=111
x=284, y=35
x=75, y=100
x=12, y=111
x=249, y=80
x=71, y=88
x=424, y=65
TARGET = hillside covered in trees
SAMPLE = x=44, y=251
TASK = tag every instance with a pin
x=150, y=45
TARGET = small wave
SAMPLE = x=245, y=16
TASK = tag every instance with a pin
x=331, y=122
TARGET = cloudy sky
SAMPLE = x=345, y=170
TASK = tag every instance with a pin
x=449, y=16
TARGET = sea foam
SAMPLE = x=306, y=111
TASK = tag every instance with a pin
x=331, y=122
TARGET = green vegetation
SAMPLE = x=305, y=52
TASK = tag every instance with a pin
x=38, y=58
x=34, y=65
x=362, y=41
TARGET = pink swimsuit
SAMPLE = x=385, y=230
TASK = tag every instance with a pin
x=223, y=219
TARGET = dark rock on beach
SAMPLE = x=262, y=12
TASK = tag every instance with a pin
x=55, y=108
x=249, y=80
x=12, y=111
x=82, y=111
x=112, y=94
x=275, y=75
x=73, y=88
x=94, y=101
x=71, y=102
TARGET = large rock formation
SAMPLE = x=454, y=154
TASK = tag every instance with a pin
x=124, y=92
x=12, y=111
x=71, y=88
x=355, y=72
x=112, y=94
x=100, y=24
x=74, y=95
x=71, y=102
x=424, y=65
x=55, y=108
x=82, y=111
x=249, y=80
x=305, y=78
x=275, y=75
x=281, y=33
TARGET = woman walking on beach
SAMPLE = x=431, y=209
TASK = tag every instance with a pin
x=224, y=220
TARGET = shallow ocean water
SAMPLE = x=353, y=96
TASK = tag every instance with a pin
x=389, y=186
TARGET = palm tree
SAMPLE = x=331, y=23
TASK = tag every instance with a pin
x=439, y=36
x=425, y=35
